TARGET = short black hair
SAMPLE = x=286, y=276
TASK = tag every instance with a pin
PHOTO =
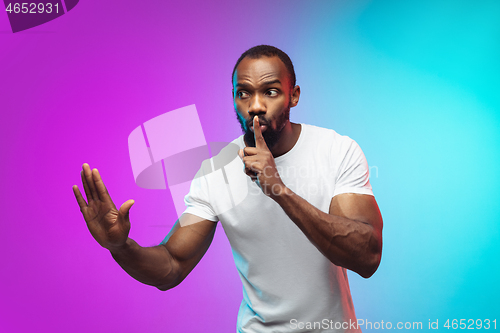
x=259, y=51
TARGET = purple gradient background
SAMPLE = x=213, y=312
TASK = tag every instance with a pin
x=72, y=90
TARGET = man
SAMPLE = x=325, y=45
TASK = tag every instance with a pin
x=309, y=214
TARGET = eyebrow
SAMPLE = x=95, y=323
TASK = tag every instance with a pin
x=265, y=83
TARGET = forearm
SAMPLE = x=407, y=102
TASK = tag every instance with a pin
x=150, y=265
x=345, y=242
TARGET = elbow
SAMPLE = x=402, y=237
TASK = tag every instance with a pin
x=371, y=265
x=171, y=279
x=373, y=258
x=164, y=286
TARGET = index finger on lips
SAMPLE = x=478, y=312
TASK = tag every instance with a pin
x=259, y=139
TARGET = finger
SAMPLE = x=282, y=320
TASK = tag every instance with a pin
x=100, y=187
x=90, y=182
x=255, y=168
x=79, y=198
x=252, y=165
x=86, y=187
x=251, y=174
x=250, y=151
x=259, y=139
x=125, y=208
x=247, y=160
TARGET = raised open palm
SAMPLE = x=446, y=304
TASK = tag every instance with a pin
x=109, y=226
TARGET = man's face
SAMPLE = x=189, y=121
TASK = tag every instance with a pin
x=262, y=87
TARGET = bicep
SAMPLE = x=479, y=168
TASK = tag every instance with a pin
x=189, y=240
x=358, y=207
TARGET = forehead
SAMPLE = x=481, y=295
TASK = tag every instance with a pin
x=260, y=69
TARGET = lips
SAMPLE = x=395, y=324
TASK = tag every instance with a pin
x=263, y=125
x=263, y=128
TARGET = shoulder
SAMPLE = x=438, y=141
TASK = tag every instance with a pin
x=328, y=138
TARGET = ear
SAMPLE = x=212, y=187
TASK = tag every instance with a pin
x=295, y=96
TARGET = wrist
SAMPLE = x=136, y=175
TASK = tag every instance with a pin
x=280, y=192
x=117, y=249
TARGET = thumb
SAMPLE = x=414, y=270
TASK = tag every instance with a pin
x=125, y=208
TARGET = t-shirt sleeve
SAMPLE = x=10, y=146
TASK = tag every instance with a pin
x=197, y=200
x=353, y=173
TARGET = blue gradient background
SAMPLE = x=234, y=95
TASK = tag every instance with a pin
x=415, y=83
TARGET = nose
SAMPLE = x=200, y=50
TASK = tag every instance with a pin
x=257, y=106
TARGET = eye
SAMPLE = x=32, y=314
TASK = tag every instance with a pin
x=242, y=94
x=272, y=93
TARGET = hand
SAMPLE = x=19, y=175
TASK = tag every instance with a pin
x=259, y=164
x=109, y=226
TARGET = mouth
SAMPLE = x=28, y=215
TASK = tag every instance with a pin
x=262, y=122
x=263, y=128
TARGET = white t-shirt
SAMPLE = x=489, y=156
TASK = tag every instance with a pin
x=288, y=285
